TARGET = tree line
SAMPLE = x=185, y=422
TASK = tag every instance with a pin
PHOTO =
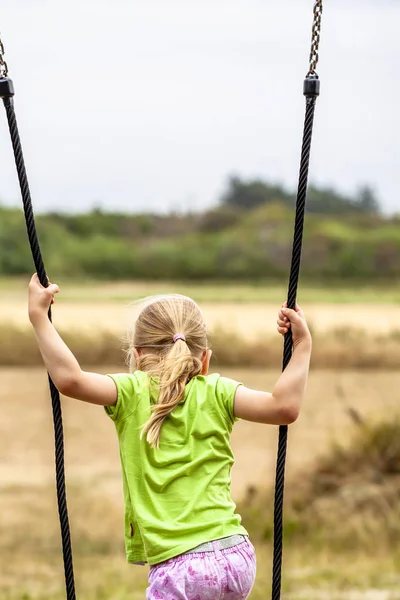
x=248, y=235
x=243, y=195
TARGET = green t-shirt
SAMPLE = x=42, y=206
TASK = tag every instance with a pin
x=178, y=496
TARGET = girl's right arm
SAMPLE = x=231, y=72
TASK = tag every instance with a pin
x=282, y=406
x=61, y=364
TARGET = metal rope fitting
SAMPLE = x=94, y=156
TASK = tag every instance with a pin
x=6, y=88
x=311, y=86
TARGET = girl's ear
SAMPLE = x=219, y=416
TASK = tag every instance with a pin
x=135, y=355
x=205, y=359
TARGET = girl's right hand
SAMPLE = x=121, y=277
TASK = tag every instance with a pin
x=294, y=320
x=40, y=299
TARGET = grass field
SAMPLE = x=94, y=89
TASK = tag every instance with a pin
x=30, y=561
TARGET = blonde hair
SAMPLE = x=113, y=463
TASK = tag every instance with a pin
x=172, y=363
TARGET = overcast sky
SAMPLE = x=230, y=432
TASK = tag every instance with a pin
x=151, y=104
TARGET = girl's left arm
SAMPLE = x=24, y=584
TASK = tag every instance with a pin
x=61, y=364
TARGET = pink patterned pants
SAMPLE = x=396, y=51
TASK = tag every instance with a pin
x=219, y=575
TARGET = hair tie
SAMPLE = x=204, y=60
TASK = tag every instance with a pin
x=179, y=336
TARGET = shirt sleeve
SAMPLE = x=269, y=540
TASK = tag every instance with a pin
x=125, y=405
x=225, y=391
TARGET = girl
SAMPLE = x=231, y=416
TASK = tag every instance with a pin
x=174, y=422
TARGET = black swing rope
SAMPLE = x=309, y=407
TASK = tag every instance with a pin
x=311, y=92
x=7, y=93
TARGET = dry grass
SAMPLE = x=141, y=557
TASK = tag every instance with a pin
x=338, y=349
x=349, y=498
x=357, y=483
x=30, y=561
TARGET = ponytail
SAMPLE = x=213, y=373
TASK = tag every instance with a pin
x=167, y=342
x=176, y=367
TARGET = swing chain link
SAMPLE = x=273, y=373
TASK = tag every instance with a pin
x=315, y=38
x=3, y=64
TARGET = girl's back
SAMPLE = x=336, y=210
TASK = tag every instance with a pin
x=182, y=488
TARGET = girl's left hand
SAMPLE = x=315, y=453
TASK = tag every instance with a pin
x=40, y=298
x=294, y=320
